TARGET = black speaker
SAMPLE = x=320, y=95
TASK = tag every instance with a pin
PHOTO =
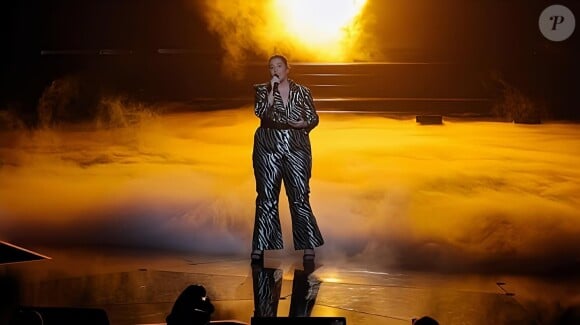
x=10, y=253
x=59, y=316
x=429, y=119
x=298, y=321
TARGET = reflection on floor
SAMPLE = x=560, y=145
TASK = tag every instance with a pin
x=141, y=289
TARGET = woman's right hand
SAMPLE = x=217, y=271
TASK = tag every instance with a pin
x=275, y=79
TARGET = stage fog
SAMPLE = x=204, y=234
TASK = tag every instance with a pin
x=464, y=195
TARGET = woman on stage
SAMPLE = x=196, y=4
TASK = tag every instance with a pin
x=282, y=153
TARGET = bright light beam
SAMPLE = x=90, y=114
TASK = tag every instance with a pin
x=324, y=27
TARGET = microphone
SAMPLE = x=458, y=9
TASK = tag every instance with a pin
x=276, y=83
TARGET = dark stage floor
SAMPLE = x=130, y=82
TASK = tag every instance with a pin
x=141, y=287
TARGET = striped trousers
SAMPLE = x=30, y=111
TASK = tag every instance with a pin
x=283, y=155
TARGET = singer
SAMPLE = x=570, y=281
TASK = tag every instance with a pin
x=282, y=153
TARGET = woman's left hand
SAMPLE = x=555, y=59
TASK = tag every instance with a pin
x=299, y=124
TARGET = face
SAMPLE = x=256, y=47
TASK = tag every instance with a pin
x=277, y=66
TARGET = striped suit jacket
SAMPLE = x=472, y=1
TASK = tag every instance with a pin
x=300, y=104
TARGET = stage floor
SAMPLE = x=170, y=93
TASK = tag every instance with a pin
x=141, y=287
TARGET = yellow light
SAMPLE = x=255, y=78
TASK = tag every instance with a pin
x=331, y=280
x=325, y=28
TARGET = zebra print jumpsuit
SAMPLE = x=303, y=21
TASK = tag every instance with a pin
x=283, y=153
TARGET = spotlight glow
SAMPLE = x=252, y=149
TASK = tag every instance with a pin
x=321, y=26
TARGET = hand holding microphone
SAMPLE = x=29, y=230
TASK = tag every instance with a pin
x=275, y=82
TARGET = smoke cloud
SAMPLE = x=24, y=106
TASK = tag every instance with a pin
x=462, y=196
x=249, y=29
